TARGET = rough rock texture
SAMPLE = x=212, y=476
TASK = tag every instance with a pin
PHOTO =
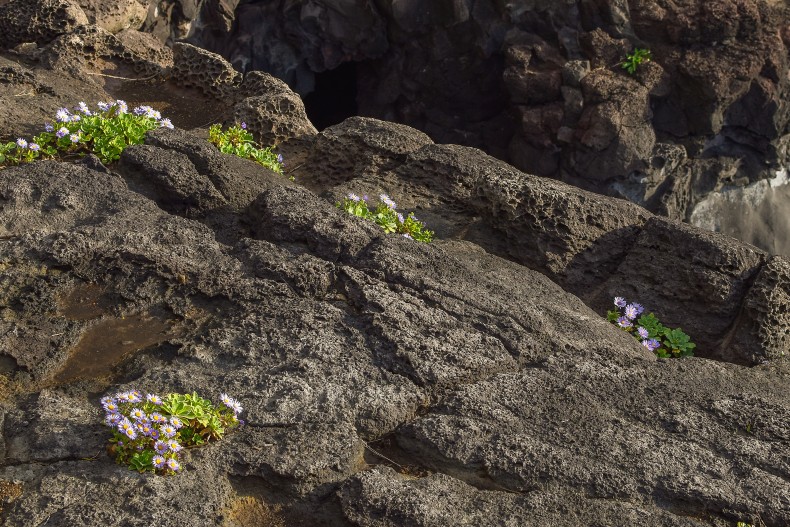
x=539, y=84
x=198, y=68
x=39, y=21
x=273, y=112
x=115, y=16
x=385, y=382
x=508, y=398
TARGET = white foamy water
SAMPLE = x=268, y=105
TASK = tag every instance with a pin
x=758, y=213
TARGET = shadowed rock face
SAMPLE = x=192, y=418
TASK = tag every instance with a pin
x=385, y=382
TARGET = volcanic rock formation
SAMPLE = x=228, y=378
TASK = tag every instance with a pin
x=539, y=84
x=385, y=382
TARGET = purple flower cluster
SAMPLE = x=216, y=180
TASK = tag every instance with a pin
x=148, y=436
x=629, y=313
x=126, y=414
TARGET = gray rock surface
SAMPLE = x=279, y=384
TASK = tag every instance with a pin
x=507, y=396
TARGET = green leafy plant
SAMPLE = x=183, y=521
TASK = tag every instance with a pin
x=105, y=132
x=663, y=341
x=387, y=217
x=635, y=59
x=238, y=141
x=149, y=433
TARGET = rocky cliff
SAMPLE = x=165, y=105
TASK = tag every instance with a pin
x=471, y=381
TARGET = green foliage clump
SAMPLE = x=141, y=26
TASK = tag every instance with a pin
x=663, y=341
x=238, y=141
x=105, y=132
x=635, y=59
x=149, y=433
x=387, y=217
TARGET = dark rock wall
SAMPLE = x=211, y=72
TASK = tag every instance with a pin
x=538, y=83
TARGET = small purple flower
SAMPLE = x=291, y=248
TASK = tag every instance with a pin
x=173, y=445
x=624, y=322
x=353, y=197
x=113, y=419
x=21, y=143
x=154, y=434
x=153, y=399
x=145, y=428
x=75, y=138
x=103, y=106
x=63, y=132
x=387, y=201
x=121, y=107
x=243, y=125
x=75, y=118
x=280, y=159
x=630, y=311
x=236, y=407
x=176, y=422
x=158, y=418
x=142, y=110
x=48, y=127
x=642, y=332
x=135, y=397
x=651, y=344
x=161, y=447
x=173, y=465
x=159, y=461
x=168, y=430
x=63, y=115
x=400, y=218
x=619, y=301
x=125, y=425
x=407, y=236
x=84, y=108
x=131, y=433
x=639, y=308
x=34, y=147
x=226, y=399
x=166, y=123
x=137, y=414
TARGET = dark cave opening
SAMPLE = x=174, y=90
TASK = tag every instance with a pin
x=334, y=98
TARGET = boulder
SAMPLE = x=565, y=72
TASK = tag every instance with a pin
x=272, y=112
x=39, y=21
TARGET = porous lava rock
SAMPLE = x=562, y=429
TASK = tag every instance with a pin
x=273, y=112
x=195, y=67
x=38, y=21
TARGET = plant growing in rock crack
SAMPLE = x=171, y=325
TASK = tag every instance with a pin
x=387, y=217
x=238, y=141
x=635, y=59
x=105, y=132
x=149, y=433
x=663, y=341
